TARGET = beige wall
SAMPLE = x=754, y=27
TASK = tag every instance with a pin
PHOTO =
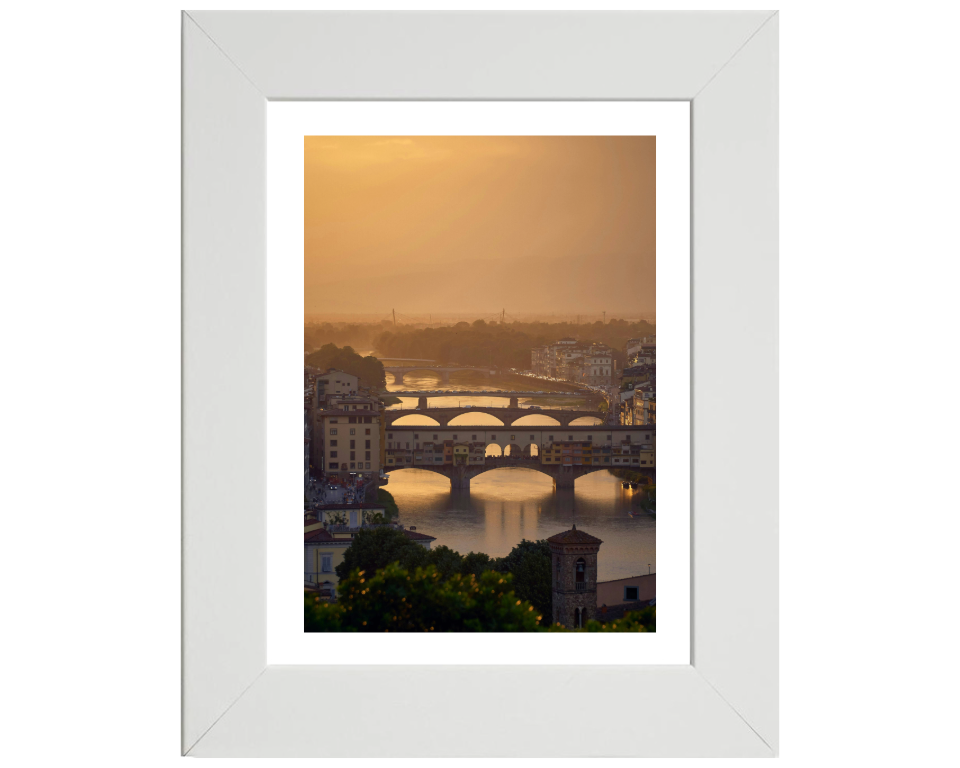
x=338, y=383
x=610, y=593
x=351, y=441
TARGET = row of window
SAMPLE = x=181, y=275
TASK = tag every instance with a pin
x=353, y=431
x=353, y=444
x=353, y=465
x=416, y=436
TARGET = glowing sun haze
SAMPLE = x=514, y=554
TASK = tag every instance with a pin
x=477, y=223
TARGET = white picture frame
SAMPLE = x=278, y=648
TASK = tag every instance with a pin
x=726, y=702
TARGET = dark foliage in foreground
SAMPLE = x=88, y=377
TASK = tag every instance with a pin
x=399, y=600
x=528, y=562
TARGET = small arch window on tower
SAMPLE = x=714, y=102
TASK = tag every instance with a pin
x=581, y=574
x=578, y=618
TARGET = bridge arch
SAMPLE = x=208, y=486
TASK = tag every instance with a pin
x=453, y=421
x=521, y=423
x=585, y=421
x=399, y=421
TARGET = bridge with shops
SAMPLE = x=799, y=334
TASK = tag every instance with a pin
x=520, y=447
x=512, y=394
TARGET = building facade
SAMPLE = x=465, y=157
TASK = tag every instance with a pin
x=335, y=382
x=325, y=543
x=348, y=439
x=593, y=446
x=569, y=360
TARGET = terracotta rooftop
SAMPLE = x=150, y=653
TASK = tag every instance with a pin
x=321, y=534
x=573, y=536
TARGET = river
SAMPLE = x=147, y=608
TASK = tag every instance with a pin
x=507, y=505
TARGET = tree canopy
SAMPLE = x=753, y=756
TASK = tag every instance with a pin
x=395, y=599
x=368, y=369
x=528, y=562
x=506, y=346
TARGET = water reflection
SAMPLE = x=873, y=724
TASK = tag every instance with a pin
x=507, y=505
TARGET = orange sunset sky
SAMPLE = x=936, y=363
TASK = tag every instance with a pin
x=479, y=223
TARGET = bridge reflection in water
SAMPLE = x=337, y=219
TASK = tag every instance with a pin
x=506, y=506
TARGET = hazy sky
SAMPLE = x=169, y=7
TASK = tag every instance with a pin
x=479, y=223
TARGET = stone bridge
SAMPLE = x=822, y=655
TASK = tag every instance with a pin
x=563, y=477
x=508, y=415
x=399, y=371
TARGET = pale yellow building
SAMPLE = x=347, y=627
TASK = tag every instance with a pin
x=335, y=382
x=324, y=546
x=349, y=439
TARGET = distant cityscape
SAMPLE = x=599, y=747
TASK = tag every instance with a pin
x=355, y=437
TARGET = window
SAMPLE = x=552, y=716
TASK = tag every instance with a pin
x=367, y=456
x=551, y=438
x=353, y=443
x=513, y=438
x=334, y=465
x=368, y=465
x=333, y=455
x=353, y=431
x=390, y=436
x=472, y=437
x=353, y=455
x=367, y=444
x=454, y=437
x=435, y=437
x=532, y=438
x=571, y=437
x=352, y=420
x=416, y=437
x=367, y=432
x=333, y=431
x=352, y=466
x=326, y=564
x=493, y=437
x=333, y=443
x=631, y=593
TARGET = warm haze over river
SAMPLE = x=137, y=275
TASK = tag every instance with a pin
x=504, y=506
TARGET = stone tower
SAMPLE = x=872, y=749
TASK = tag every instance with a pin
x=574, y=556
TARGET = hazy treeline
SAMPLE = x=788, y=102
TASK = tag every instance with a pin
x=369, y=369
x=506, y=346
x=361, y=335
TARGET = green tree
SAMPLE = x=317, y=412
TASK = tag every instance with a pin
x=386, y=498
x=398, y=600
x=648, y=499
x=373, y=548
x=368, y=369
x=475, y=563
x=529, y=563
x=644, y=620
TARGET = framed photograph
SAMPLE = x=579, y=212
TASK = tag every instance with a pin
x=484, y=215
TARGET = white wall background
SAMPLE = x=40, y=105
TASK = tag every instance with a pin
x=89, y=303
